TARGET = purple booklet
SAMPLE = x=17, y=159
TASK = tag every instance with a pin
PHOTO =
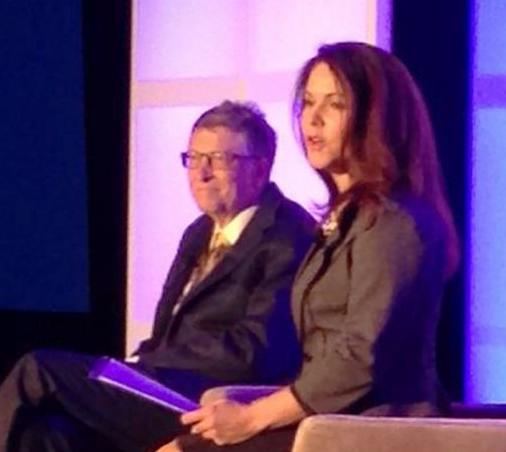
x=116, y=373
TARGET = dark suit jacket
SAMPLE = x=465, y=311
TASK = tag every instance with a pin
x=366, y=304
x=236, y=325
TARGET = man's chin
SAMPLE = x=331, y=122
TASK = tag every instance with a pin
x=212, y=210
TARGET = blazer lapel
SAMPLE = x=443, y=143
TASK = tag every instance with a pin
x=250, y=238
x=190, y=252
x=311, y=267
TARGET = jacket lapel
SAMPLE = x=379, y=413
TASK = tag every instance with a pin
x=250, y=239
x=314, y=260
x=191, y=249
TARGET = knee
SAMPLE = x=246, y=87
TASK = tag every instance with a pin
x=30, y=363
x=27, y=377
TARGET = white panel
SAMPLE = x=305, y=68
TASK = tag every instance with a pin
x=488, y=219
x=485, y=376
x=490, y=37
x=284, y=35
x=187, y=38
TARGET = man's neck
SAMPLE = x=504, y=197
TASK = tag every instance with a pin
x=233, y=228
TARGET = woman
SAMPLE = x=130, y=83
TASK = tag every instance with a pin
x=366, y=299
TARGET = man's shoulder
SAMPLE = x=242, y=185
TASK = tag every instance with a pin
x=199, y=228
x=293, y=213
x=286, y=214
x=202, y=222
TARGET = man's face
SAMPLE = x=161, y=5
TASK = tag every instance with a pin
x=223, y=190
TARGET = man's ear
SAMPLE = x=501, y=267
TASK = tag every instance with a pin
x=263, y=167
x=262, y=171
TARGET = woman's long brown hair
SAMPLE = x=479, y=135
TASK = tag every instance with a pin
x=389, y=144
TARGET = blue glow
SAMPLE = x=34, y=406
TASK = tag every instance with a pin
x=491, y=36
x=486, y=314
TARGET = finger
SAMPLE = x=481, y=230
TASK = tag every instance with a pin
x=171, y=447
x=204, y=425
x=193, y=416
x=209, y=434
x=219, y=441
x=214, y=401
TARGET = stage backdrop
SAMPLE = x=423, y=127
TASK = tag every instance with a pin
x=43, y=203
x=189, y=55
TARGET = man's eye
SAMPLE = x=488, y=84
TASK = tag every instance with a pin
x=218, y=156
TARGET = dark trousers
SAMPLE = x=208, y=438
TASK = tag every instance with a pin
x=47, y=403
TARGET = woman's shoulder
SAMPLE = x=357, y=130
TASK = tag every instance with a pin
x=400, y=214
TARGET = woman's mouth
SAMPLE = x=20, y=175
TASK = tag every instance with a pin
x=314, y=142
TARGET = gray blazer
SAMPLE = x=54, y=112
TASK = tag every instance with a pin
x=366, y=305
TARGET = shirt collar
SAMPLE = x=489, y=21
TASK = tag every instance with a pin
x=233, y=229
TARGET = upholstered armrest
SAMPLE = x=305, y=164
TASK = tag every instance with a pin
x=339, y=433
x=478, y=410
x=238, y=393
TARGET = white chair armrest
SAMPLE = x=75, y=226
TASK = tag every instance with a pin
x=339, y=433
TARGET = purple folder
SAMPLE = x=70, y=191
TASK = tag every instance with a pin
x=116, y=373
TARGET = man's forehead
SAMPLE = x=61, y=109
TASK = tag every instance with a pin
x=216, y=139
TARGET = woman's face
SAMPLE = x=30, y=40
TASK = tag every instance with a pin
x=325, y=112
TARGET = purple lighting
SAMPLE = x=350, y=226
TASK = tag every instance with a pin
x=189, y=55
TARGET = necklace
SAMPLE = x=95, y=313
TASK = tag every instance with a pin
x=329, y=224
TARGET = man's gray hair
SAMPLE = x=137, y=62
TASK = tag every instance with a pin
x=245, y=118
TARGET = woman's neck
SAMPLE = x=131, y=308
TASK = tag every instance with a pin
x=342, y=180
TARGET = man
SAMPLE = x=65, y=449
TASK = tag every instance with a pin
x=223, y=316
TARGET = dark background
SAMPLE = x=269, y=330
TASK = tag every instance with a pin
x=431, y=37
x=94, y=325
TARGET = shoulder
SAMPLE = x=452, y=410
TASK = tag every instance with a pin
x=399, y=240
x=201, y=223
x=398, y=217
x=197, y=231
x=292, y=213
x=284, y=214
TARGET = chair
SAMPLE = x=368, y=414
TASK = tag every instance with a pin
x=474, y=428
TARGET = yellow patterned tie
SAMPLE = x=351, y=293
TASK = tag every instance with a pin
x=218, y=246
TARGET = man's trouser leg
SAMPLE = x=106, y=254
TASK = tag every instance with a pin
x=61, y=379
x=53, y=431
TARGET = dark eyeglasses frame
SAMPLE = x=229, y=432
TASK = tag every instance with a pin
x=215, y=159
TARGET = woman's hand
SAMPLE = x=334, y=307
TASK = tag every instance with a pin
x=223, y=422
x=171, y=447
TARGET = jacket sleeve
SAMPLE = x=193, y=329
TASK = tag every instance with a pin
x=383, y=264
x=171, y=288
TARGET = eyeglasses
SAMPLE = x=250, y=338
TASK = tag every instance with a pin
x=217, y=159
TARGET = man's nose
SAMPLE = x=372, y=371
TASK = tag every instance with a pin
x=205, y=168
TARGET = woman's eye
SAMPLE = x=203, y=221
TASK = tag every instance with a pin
x=307, y=102
x=338, y=105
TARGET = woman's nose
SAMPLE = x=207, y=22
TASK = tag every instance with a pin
x=316, y=116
